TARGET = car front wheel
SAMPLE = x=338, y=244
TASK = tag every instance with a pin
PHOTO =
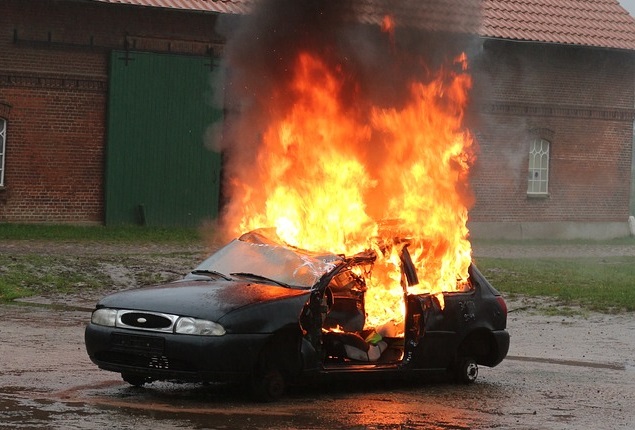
x=269, y=385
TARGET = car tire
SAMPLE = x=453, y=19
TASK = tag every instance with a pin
x=466, y=370
x=136, y=380
x=269, y=385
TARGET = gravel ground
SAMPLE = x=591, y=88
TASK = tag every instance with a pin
x=562, y=372
x=130, y=265
x=514, y=250
x=45, y=247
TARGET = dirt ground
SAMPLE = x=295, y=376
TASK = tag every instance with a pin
x=562, y=372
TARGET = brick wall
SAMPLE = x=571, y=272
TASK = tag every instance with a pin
x=54, y=78
x=581, y=100
x=54, y=155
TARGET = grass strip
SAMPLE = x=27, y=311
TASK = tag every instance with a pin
x=605, y=284
x=27, y=275
x=124, y=234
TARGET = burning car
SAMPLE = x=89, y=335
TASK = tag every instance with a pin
x=262, y=312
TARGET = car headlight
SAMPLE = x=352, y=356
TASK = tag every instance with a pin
x=187, y=325
x=104, y=316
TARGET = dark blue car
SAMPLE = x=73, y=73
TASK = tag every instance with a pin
x=265, y=314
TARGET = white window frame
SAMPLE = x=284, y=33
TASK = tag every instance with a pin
x=3, y=146
x=538, y=176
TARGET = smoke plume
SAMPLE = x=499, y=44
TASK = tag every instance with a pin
x=377, y=62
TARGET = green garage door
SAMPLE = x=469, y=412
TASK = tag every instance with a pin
x=158, y=170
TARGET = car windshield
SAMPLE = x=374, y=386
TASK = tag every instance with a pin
x=262, y=254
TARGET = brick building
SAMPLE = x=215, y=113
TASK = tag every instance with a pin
x=553, y=83
x=557, y=120
x=60, y=64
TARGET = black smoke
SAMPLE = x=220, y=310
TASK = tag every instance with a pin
x=261, y=48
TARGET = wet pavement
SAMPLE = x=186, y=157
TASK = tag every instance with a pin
x=562, y=373
x=574, y=372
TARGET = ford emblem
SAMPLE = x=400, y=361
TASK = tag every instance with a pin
x=142, y=320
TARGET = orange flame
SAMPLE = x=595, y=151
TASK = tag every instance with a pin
x=331, y=177
x=387, y=24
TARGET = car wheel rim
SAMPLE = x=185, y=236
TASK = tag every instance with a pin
x=274, y=384
x=471, y=371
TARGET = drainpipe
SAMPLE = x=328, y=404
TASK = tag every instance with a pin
x=631, y=218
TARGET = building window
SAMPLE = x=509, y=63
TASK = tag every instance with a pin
x=538, y=181
x=3, y=141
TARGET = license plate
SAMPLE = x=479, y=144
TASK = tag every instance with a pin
x=149, y=344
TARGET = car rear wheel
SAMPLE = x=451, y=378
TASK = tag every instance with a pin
x=466, y=370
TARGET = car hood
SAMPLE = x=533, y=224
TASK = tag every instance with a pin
x=207, y=299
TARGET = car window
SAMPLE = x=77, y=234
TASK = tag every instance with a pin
x=279, y=263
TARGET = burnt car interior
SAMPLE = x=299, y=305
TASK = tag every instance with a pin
x=345, y=303
x=344, y=337
x=348, y=340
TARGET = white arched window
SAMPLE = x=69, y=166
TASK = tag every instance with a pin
x=3, y=141
x=538, y=181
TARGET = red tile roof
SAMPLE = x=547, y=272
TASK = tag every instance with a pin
x=220, y=6
x=456, y=15
x=601, y=23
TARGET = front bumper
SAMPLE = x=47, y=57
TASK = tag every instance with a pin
x=165, y=356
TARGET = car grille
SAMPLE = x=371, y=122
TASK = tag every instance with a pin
x=151, y=321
